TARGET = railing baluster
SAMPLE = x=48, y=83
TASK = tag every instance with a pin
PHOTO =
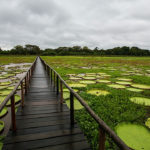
x=71, y=108
x=54, y=79
x=61, y=92
x=22, y=94
x=26, y=84
x=51, y=75
x=57, y=83
x=13, y=115
x=101, y=139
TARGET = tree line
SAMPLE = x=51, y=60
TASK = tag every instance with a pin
x=75, y=50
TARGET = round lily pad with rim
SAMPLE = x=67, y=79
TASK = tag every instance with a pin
x=5, y=92
x=74, y=78
x=66, y=95
x=141, y=86
x=17, y=100
x=116, y=86
x=67, y=90
x=141, y=100
x=2, y=98
x=89, y=78
x=134, y=90
x=5, y=83
x=3, y=112
x=147, y=123
x=77, y=85
x=87, y=82
x=98, y=92
x=10, y=87
x=103, y=81
x=135, y=136
x=77, y=105
x=1, y=126
x=124, y=82
x=3, y=87
x=124, y=79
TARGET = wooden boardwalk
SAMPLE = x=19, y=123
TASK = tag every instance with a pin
x=43, y=123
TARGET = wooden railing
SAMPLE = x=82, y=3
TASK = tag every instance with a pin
x=103, y=127
x=24, y=82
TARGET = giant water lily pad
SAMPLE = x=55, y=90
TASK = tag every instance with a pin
x=10, y=88
x=141, y=100
x=67, y=90
x=89, y=78
x=116, y=86
x=3, y=87
x=74, y=78
x=3, y=112
x=5, y=83
x=1, y=126
x=5, y=92
x=77, y=104
x=147, y=123
x=88, y=82
x=17, y=100
x=135, y=136
x=134, y=90
x=141, y=86
x=124, y=79
x=124, y=83
x=98, y=92
x=2, y=98
x=103, y=81
x=78, y=85
x=66, y=95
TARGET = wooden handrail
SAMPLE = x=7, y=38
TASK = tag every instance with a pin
x=103, y=127
x=11, y=96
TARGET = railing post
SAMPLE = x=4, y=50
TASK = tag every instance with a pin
x=71, y=109
x=61, y=92
x=22, y=94
x=57, y=84
x=101, y=139
x=13, y=115
x=51, y=76
x=54, y=79
x=26, y=84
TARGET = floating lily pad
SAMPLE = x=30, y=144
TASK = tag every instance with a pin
x=3, y=112
x=141, y=100
x=3, y=87
x=135, y=136
x=10, y=88
x=66, y=95
x=134, y=90
x=124, y=79
x=116, y=86
x=3, y=77
x=77, y=104
x=89, y=78
x=88, y=82
x=103, y=81
x=98, y=92
x=5, y=92
x=5, y=83
x=1, y=126
x=101, y=73
x=2, y=98
x=141, y=86
x=74, y=78
x=67, y=90
x=124, y=83
x=77, y=85
x=17, y=100
x=147, y=123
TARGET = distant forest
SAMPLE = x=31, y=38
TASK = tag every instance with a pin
x=75, y=50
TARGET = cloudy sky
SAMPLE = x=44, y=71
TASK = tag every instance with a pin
x=94, y=23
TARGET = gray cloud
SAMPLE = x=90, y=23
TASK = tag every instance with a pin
x=54, y=23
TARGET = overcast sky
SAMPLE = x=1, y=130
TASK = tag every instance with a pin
x=94, y=23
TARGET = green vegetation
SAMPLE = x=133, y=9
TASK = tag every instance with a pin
x=114, y=75
x=75, y=50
